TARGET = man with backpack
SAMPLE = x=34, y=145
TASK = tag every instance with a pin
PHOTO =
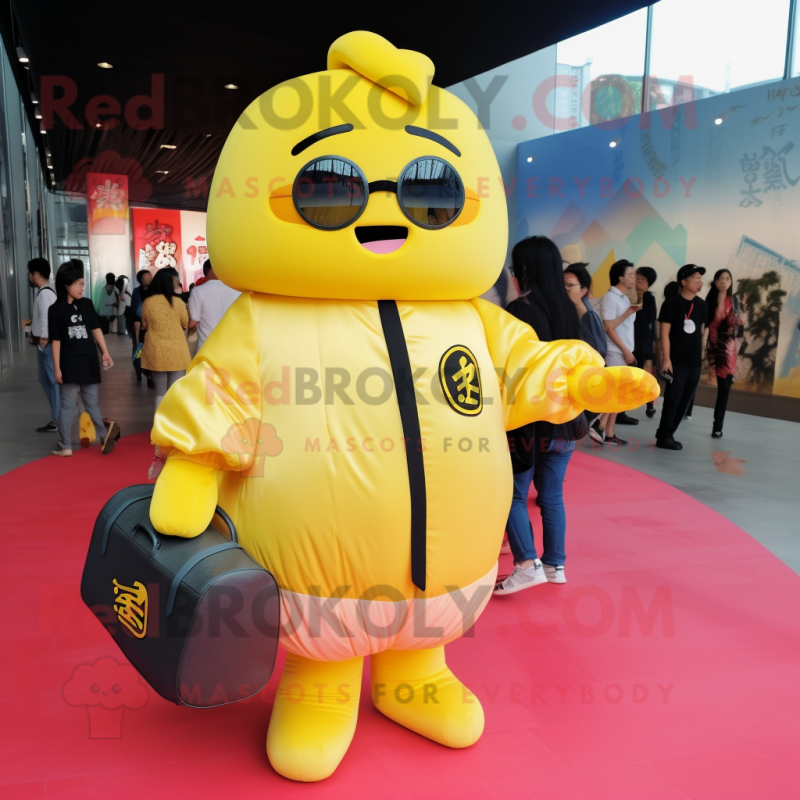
x=39, y=279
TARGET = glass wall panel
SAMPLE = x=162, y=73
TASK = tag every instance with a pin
x=20, y=218
x=600, y=73
x=68, y=230
x=701, y=48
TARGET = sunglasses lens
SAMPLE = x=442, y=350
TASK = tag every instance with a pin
x=430, y=193
x=329, y=192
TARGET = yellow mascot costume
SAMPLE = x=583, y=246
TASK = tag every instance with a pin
x=349, y=412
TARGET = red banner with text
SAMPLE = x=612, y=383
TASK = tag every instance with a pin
x=166, y=237
x=107, y=200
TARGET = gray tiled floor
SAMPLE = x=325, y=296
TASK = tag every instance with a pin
x=764, y=501
x=23, y=406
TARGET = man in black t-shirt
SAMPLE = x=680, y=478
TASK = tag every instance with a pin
x=682, y=320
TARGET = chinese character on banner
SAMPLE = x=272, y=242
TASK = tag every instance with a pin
x=107, y=202
x=776, y=173
x=750, y=167
x=195, y=246
x=157, y=238
x=166, y=255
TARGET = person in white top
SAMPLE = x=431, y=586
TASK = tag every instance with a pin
x=109, y=297
x=39, y=278
x=123, y=302
x=208, y=303
x=617, y=313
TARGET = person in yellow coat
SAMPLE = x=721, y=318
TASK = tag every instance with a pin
x=349, y=411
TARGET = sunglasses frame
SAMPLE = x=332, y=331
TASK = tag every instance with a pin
x=365, y=184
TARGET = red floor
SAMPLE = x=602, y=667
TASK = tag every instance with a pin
x=585, y=698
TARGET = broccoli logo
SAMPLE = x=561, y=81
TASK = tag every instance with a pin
x=252, y=441
x=105, y=688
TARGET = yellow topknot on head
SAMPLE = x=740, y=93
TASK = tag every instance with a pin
x=406, y=73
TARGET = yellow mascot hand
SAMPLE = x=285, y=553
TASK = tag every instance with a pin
x=611, y=389
x=184, y=498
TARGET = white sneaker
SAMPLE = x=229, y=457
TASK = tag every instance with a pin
x=596, y=433
x=555, y=574
x=521, y=579
x=505, y=549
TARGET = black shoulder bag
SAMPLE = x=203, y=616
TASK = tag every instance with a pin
x=198, y=618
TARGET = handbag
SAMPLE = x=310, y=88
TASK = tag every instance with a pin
x=137, y=353
x=522, y=442
x=738, y=313
x=572, y=431
x=198, y=618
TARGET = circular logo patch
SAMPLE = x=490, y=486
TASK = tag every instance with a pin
x=461, y=380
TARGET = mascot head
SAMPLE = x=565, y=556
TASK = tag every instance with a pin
x=363, y=182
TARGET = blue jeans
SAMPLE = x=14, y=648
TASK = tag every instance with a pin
x=552, y=467
x=47, y=379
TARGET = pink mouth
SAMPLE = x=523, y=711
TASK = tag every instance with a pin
x=384, y=246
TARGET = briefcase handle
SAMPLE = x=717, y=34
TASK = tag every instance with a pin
x=152, y=533
x=153, y=537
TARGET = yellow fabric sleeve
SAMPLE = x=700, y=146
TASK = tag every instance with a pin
x=212, y=415
x=555, y=381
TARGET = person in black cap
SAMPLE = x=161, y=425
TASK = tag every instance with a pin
x=682, y=321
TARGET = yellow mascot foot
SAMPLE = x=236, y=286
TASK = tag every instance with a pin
x=416, y=689
x=314, y=717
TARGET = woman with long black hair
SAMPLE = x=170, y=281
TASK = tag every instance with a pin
x=725, y=325
x=165, y=317
x=545, y=305
x=165, y=351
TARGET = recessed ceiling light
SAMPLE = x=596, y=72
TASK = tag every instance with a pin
x=209, y=134
x=718, y=121
x=37, y=114
x=612, y=144
x=231, y=86
x=168, y=146
x=105, y=65
x=98, y=124
x=23, y=58
x=163, y=171
x=42, y=130
x=50, y=166
x=34, y=98
x=530, y=158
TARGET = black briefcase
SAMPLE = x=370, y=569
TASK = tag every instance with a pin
x=198, y=618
